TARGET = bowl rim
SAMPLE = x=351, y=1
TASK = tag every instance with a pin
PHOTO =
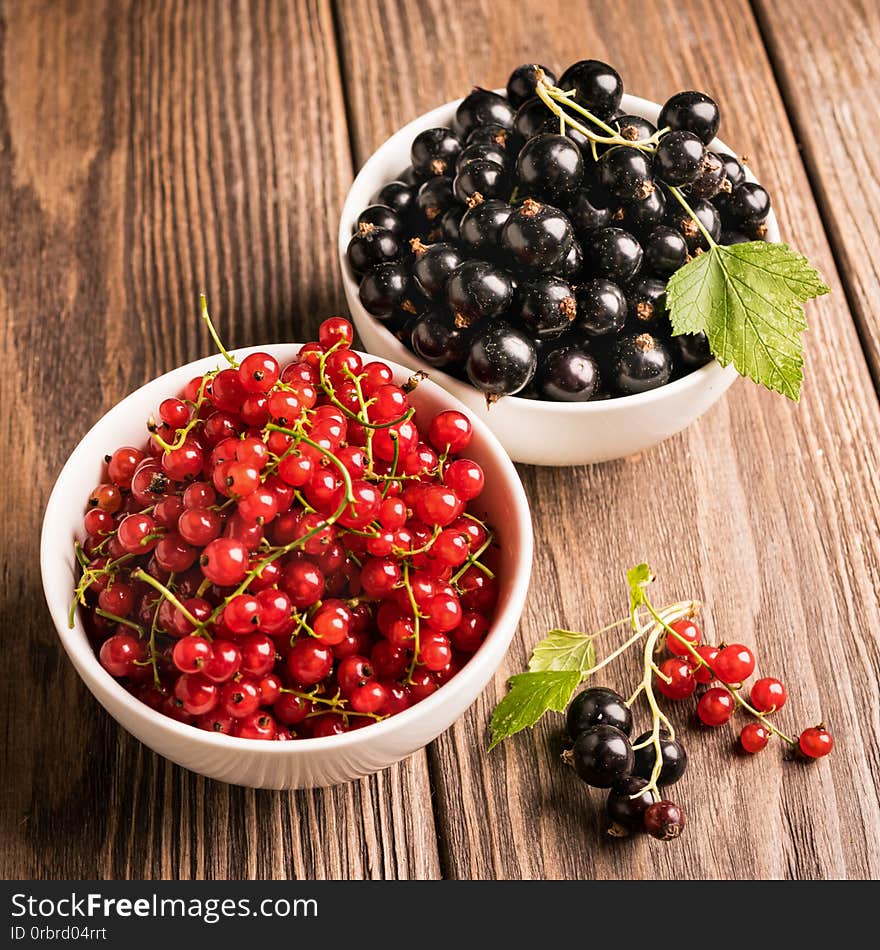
x=443, y=114
x=498, y=640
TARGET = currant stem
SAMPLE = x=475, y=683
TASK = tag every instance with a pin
x=416, y=622
x=141, y=575
x=203, y=303
x=692, y=214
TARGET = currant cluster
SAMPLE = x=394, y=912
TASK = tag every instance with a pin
x=528, y=249
x=291, y=554
x=600, y=722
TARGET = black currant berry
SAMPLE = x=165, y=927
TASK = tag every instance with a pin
x=550, y=167
x=647, y=303
x=371, y=246
x=645, y=214
x=597, y=705
x=733, y=237
x=547, y=305
x=496, y=135
x=435, y=197
x=434, y=152
x=601, y=307
x=531, y=119
x=409, y=177
x=586, y=213
x=598, y=87
x=664, y=820
x=732, y=169
x=602, y=755
x=483, y=107
x=567, y=374
x=481, y=177
x=691, y=350
x=524, y=81
x=665, y=251
x=537, y=236
x=613, y=253
x=625, y=172
x=483, y=150
x=573, y=264
x=480, y=227
x=673, y=756
x=747, y=205
x=708, y=216
x=437, y=340
x=501, y=360
x=626, y=813
x=679, y=157
x=385, y=288
x=476, y=290
x=710, y=179
x=639, y=363
x=381, y=216
x=434, y=263
x=691, y=112
x=450, y=224
x=633, y=128
x=398, y=196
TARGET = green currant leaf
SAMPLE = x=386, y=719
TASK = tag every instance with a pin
x=563, y=650
x=638, y=578
x=748, y=300
x=530, y=696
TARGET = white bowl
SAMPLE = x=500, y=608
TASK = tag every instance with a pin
x=305, y=763
x=537, y=431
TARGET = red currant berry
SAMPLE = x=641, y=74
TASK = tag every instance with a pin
x=122, y=465
x=331, y=622
x=241, y=615
x=216, y=722
x=227, y=392
x=174, y=555
x=715, y=707
x=259, y=507
x=465, y=478
x=397, y=698
x=240, y=698
x=224, y=663
x=443, y=612
x=257, y=655
x=120, y=653
x=754, y=737
x=379, y=576
x=197, y=694
x=117, y=598
x=469, y=635
x=388, y=661
x=422, y=684
x=285, y=407
x=375, y=374
x=816, y=742
x=450, y=431
x=291, y=709
x=681, y=681
x=252, y=451
x=275, y=611
x=368, y=697
x=330, y=724
x=734, y=664
x=435, y=651
x=392, y=514
x=225, y=562
x=258, y=725
x=192, y=654
x=685, y=630
x=137, y=533
x=107, y=497
x=768, y=694
x=336, y=330
x=309, y=661
x=199, y=526
x=438, y=505
x=242, y=478
x=353, y=671
x=703, y=673
x=258, y=372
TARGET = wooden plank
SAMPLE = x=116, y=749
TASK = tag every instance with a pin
x=148, y=152
x=765, y=510
x=827, y=61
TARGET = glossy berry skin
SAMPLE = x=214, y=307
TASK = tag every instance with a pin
x=672, y=754
x=587, y=214
x=688, y=631
x=537, y=236
x=708, y=216
x=501, y=360
x=476, y=290
x=482, y=178
x=483, y=107
x=646, y=298
x=371, y=246
x=678, y=158
x=547, y=306
x=397, y=195
x=641, y=215
x=715, y=707
x=481, y=225
x=768, y=694
x=710, y=179
x=491, y=134
x=639, y=364
x=487, y=151
x=550, y=167
x=625, y=172
x=734, y=663
x=523, y=81
x=754, y=737
x=434, y=151
x=733, y=170
x=691, y=112
x=383, y=217
x=747, y=205
x=664, y=820
x=384, y=288
x=703, y=673
x=435, y=197
x=601, y=308
x=691, y=350
x=573, y=265
x=613, y=254
x=633, y=127
x=532, y=118
x=434, y=263
x=567, y=374
x=681, y=681
x=815, y=742
x=665, y=251
x=450, y=431
x=626, y=813
x=595, y=706
x=598, y=87
x=602, y=755
x=437, y=340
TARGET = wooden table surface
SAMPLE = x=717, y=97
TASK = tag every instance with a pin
x=151, y=150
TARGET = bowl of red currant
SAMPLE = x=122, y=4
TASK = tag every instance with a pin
x=522, y=246
x=287, y=566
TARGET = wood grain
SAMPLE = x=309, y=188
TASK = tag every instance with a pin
x=765, y=510
x=148, y=151
x=827, y=60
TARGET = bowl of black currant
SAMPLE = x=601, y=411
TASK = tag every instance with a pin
x=516, y=246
